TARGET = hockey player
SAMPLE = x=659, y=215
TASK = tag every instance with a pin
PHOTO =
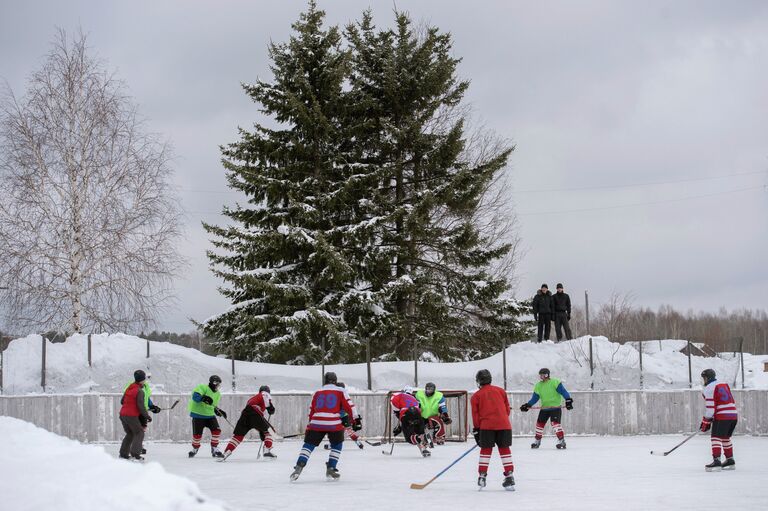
x=252, y=417
x=132, y=412
x=148, y=404
x=325, y=419
x=203, y=408
x=720, y=416
x=348, y=431
x=551, y=392
x=491, y=426
x=405, y=406
x=434, y=410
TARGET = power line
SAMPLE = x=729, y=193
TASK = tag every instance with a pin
x=680, y=199
x=632, y=185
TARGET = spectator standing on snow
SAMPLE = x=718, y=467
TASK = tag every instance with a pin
x=562, y=308
x=132, y=413
x=542, y=311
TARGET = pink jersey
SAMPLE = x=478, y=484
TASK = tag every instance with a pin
x=720, y=403
x=327, y=405
x=402, y=401
x=260, y=402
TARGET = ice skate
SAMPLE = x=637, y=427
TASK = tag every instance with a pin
x=216, y=453
x=729, y=464
x=331, y=473
x=481, y=481
x=425, y=452
x=269, y=455
x=560, y=443
x=193, y=452
x=227, y=454
x=509, y=481
x=715, y=466
x=296, y=472
x=536, y=443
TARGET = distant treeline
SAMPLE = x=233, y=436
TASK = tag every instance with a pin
x=619, y=320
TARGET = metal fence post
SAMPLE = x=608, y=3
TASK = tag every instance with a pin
x=42, y=369
x=90, y=360
x=415, y=366
x=322, y=361
x=586, y=309
x=741, y=355
x=640, y=343
x=147, y=355
x=1, y=370
x=368, y=362
x=591, y=367
x=504, y=361
x=690, y=371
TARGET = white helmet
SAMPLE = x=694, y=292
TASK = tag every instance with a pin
x=408, y=389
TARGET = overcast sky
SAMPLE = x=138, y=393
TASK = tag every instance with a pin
x=641, y=127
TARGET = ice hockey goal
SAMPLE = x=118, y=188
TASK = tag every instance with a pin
x=457, y=401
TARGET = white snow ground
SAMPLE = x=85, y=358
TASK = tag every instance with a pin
x=594, y=473
x=178, y=369
x=41, y=471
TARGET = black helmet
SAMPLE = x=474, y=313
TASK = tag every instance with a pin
x=139, y=376
x=330, y=377
x=544, y=370
x=430, y=388
x=483, y=377
x=214, y=381
x=265, y=388
x=341, y=384
x=708, y=375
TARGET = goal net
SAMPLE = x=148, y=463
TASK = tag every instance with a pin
x=456, y=431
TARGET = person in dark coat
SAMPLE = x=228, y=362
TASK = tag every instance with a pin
x=562, y=308
x=543, y=309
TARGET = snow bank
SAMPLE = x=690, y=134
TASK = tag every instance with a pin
x=178, y=369
x=53, y=472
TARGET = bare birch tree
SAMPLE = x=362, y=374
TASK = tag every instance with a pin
x=88, y=221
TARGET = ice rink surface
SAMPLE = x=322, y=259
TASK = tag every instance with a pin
x=594, y=473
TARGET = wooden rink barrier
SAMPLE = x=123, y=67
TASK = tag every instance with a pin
x=95, y=417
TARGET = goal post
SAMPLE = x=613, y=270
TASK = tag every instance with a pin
x=458, y=409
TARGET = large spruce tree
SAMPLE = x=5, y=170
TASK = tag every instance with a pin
x=361, y=224
x=280, y=262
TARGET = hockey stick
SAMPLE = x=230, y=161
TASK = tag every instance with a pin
x=293, y=436
x=391, y=449
x=665, y=453
x=373, y=444
x=172, y=406
x=417, y=486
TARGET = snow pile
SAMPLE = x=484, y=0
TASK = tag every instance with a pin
x=176, y=369
x=53, y=472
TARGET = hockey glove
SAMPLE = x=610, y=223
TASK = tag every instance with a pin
x=149, y=418
x=476, y=434
x=358, y=424
x=345, y=421
x=445, y=418
x=706, y=423
x=271, y=409
x=569, y=404
x=525, y=407
x=155, y=409
x=220, y=413
x=207, y=400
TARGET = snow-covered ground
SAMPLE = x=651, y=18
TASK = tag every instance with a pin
x=594, y=473
x=40, y=471
x=178, y=369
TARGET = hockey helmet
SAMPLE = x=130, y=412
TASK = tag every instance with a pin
x=139, y=376
x=330, y=377
x=407, y=389
x=214, y=382
x=341, y=384
x=265, y=388
x=483, y=377
x=429, y=389
x=708, y=376
x=544, y=373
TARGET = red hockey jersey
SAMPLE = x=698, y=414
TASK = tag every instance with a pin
x=260, y=402
x=490, y=408
x=326, y=407
x=402, y=401
x=719, y=400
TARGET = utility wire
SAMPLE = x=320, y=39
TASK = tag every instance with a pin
x=679, y=199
